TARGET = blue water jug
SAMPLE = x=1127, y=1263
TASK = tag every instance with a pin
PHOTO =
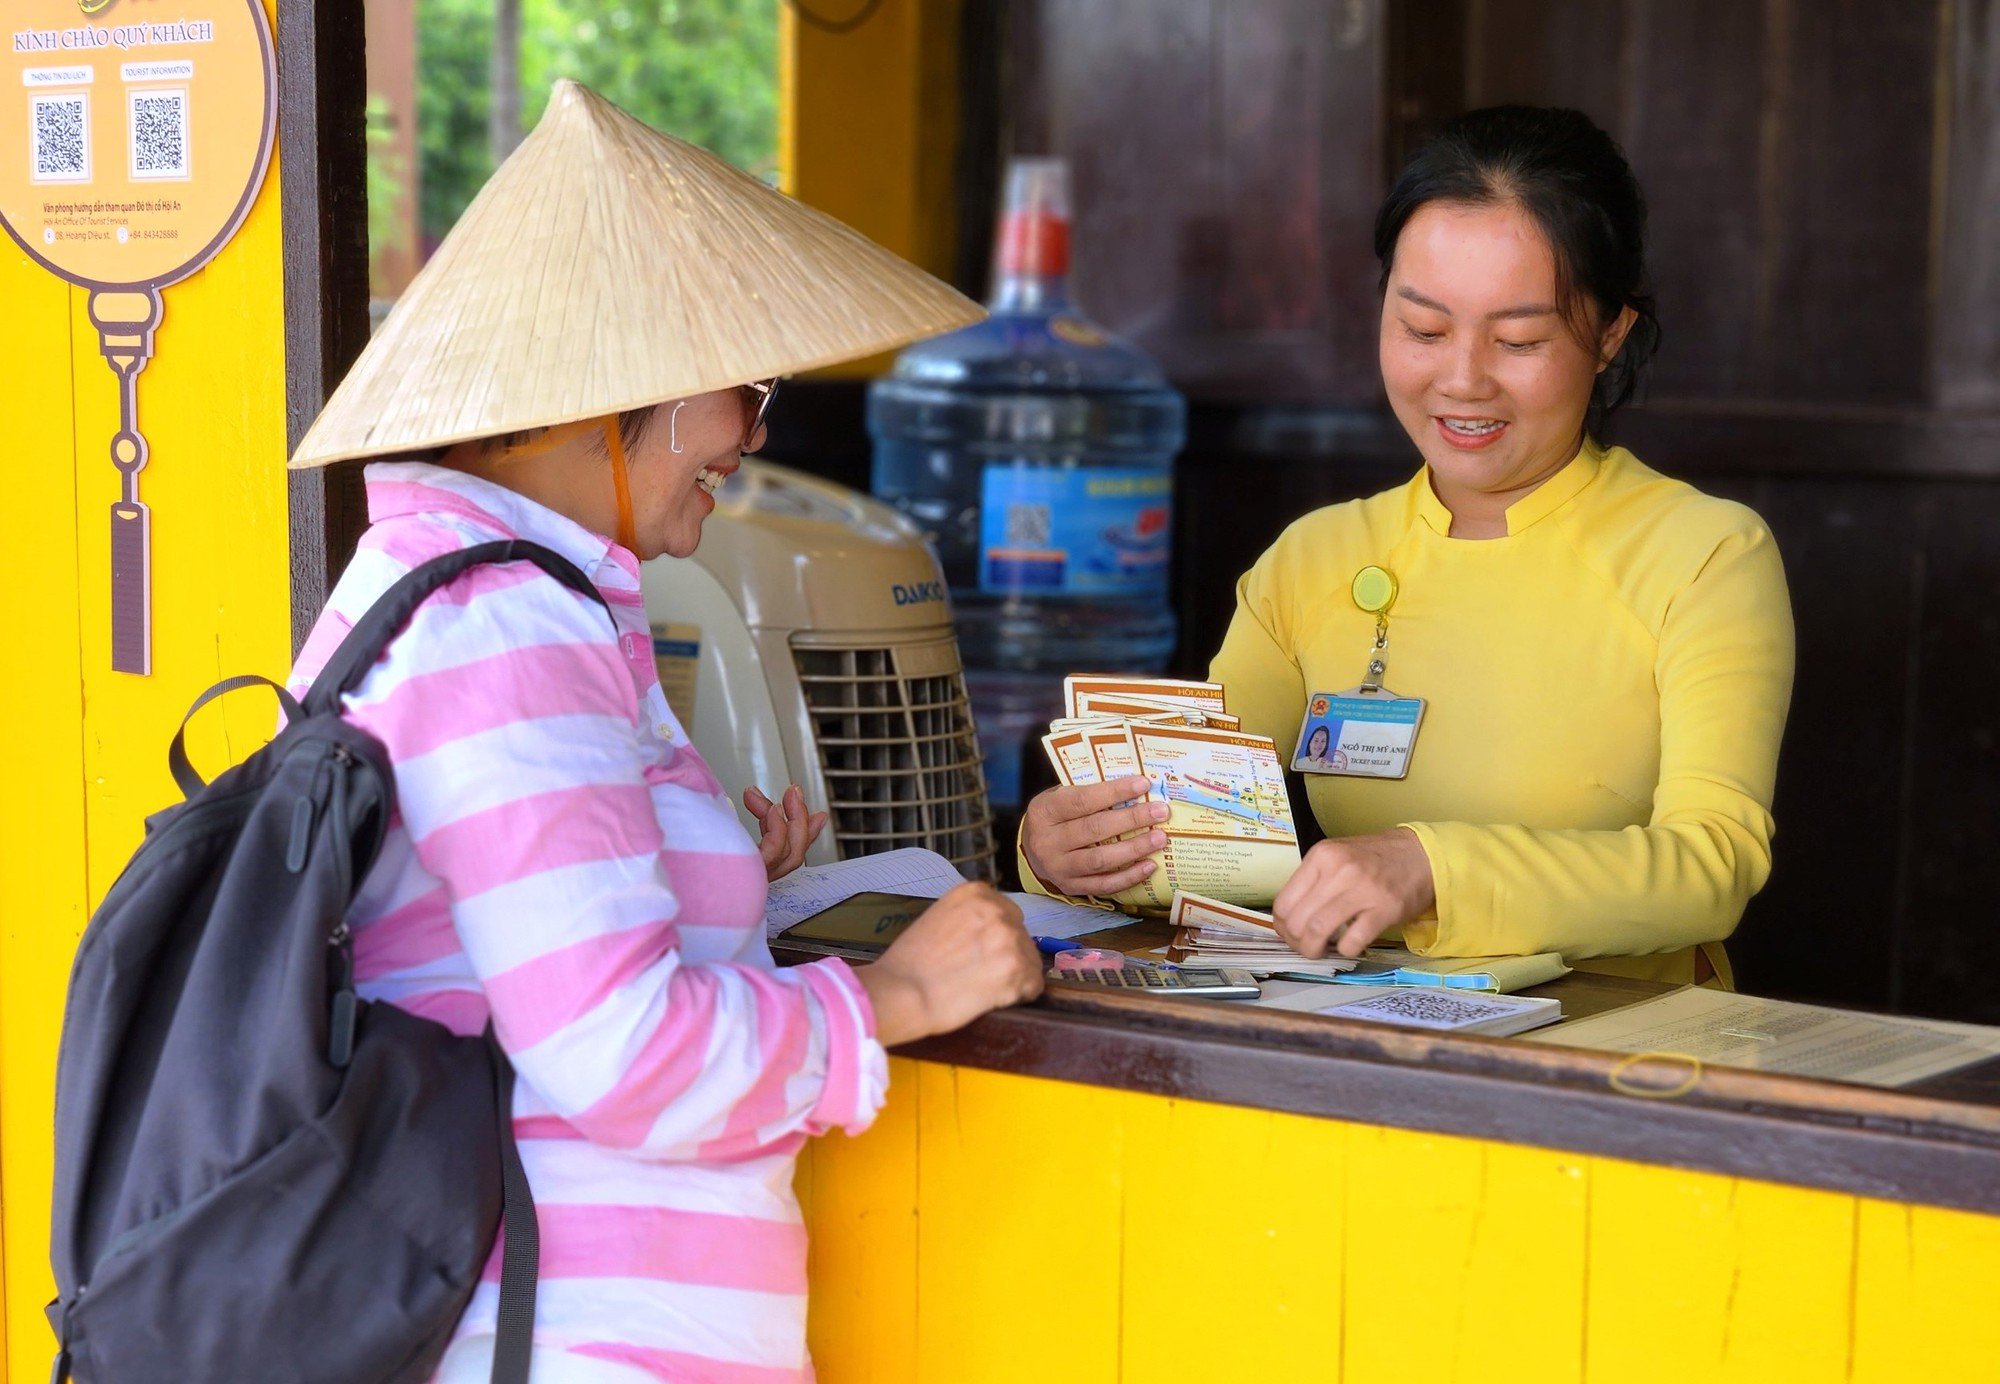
x=1037, y=451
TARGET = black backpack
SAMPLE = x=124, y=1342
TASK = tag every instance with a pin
x=258, y=1175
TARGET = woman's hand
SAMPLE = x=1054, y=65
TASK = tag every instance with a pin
x=964, y=955
x=1346, y=893
x=788, y=829
x=1070, y=836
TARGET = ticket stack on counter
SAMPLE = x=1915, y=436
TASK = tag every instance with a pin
x=1209, y=932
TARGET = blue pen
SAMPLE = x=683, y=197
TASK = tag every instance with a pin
x=1049, y=946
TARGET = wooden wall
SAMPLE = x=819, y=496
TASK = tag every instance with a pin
x=1825, y=190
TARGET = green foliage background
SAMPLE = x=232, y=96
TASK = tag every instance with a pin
x=706, y=70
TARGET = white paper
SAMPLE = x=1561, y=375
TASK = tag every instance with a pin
x=805, y=891
x=1047, y=917
x=1778, y=1036
x=917, y=872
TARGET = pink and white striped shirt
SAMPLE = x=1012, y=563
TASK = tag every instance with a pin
x=563, y=861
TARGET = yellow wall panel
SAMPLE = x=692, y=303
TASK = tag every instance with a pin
x=1461, y=1254
x=42, y=879
x=212, y=405
x=1208, y=1184
x=1695, y=1276
x=1926, y=1282
x=86, y=746
x=1067, y=1233
x=1022, y=1205
x=867, y=129
x=848, y=122
x=1792, y=1284
x=862, y=1194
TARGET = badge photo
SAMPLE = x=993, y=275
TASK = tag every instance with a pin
x=1358, y=734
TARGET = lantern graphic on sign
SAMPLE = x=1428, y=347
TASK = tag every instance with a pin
x=133, y=139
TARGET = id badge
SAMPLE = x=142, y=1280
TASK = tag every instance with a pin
x=1358, y=734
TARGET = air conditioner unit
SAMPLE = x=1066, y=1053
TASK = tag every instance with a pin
x=809, y=640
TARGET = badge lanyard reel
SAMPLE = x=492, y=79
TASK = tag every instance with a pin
x=1367, y=731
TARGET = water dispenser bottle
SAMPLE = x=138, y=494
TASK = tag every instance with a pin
x=1038, y=452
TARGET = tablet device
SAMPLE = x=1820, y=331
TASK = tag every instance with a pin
x=861, y=927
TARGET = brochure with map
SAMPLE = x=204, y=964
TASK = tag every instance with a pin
x=1098, y=706
x=1097, y=753
x=1105, y=688
x=1230, y=831
x=1230, y=834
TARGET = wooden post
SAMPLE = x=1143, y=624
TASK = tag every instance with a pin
x=322, y=111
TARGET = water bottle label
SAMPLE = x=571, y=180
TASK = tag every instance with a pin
x=1094, y=530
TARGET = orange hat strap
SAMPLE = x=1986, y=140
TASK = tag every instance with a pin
x=549, y=438
x=614, y=441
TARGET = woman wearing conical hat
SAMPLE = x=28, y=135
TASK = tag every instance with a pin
x=581, y=365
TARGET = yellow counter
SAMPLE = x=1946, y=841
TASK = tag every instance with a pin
x=1007, y=1227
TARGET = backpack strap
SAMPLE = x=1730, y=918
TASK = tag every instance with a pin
x=177, y=755
x=392, y=610
x=521, y=1250
x=520, y=1263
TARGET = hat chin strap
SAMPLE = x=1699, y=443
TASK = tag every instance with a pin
x=614, y=445
x=621, y=485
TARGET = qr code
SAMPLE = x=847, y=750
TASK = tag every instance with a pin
x=1027, y=526
x=1424, y=1008
x=159, y=134
x=61, y=142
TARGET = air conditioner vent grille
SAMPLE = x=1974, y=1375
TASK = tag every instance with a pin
x=897, y=750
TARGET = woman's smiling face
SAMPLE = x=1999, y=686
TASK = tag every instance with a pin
x=671, y=490
x=1480, y=367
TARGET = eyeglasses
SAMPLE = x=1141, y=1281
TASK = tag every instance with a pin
x=765, y=392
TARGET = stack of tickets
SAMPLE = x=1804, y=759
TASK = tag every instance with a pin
x=1208, y=932
x=1229, y=831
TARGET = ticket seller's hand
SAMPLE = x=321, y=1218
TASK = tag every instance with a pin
x=1070, y=836
x=965, y=954
x=1348, y=892
x=788, y=829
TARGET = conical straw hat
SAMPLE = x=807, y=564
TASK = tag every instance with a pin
x=606, y=266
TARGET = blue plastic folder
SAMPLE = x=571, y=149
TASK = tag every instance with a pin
x=1494, y=974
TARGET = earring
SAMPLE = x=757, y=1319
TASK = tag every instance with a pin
x=673, y=427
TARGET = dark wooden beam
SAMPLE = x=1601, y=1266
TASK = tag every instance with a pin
x=323, y=196
x=1936, y=1145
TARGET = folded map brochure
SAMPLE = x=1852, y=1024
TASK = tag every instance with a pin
x=1155, y=693
x=1229, y=833
x=1211, y=933
x=1208, y=932
x=1097, y=706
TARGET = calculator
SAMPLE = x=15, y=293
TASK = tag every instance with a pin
x=1209, y=982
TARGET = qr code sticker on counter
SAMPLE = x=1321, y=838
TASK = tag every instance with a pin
x=160, y=134
x=1423, y=1008
x=60, y=127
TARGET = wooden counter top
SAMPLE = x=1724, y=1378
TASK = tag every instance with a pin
x=1937, y=1142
